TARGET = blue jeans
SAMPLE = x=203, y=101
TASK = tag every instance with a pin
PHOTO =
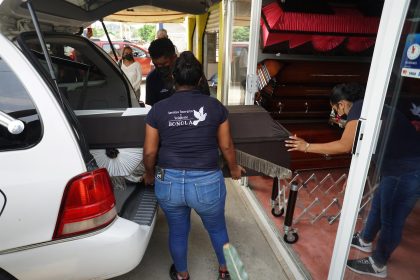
x=392, y=203
x=205, y=192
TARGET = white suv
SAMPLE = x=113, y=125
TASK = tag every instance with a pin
x=61, y=215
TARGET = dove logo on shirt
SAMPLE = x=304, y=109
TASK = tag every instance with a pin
x=200, y=116
x=187, y=117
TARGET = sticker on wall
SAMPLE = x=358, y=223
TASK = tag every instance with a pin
x=411, y=57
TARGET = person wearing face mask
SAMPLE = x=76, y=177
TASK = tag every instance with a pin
x=131, y=69
x=399, y=186
x=160, y=82
x=345, y=100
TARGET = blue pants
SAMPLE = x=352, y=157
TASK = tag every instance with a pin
x=393, y=201
x=205, y=192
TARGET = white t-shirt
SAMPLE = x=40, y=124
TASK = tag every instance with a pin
x=133, y=73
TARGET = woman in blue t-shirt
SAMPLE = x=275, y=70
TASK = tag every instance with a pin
x=183, y=135
x=399, y=187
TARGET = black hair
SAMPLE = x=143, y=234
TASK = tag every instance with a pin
x=161, y=47
x=350, y=92
x=187, y=70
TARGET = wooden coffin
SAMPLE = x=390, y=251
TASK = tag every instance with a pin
x=298, y=98
x=255, y=134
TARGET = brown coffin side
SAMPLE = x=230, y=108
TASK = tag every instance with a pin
x=299, y=99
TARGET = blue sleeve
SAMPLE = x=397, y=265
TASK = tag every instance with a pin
x=151, y=118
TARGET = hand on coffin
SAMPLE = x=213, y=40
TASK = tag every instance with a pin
x=236, y=172
x=295, y=143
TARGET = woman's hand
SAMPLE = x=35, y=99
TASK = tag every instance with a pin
x=296, y=144
x=236, y=172
x=149, y=179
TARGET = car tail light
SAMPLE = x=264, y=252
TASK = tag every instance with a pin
x=88, y=204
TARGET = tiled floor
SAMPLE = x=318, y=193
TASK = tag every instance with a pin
x=316, y=240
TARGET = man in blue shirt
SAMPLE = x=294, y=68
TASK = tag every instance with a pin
x=160, y=82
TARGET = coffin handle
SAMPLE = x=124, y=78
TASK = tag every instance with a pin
x=306, y=107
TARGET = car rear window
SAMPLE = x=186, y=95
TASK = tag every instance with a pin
x=84, y=76
x=16, y=103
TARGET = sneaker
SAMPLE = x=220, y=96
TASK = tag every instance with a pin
x=367, y=266
x=358, y=243
x=174, y=274
x=224, y=275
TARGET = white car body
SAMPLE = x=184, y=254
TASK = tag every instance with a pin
x=33, y=181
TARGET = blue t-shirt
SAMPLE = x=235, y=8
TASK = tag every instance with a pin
x=402, y=150
x=188, y=122
x=157, y=88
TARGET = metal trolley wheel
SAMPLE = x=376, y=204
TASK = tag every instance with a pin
x=291, y=238
x=277, y=212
